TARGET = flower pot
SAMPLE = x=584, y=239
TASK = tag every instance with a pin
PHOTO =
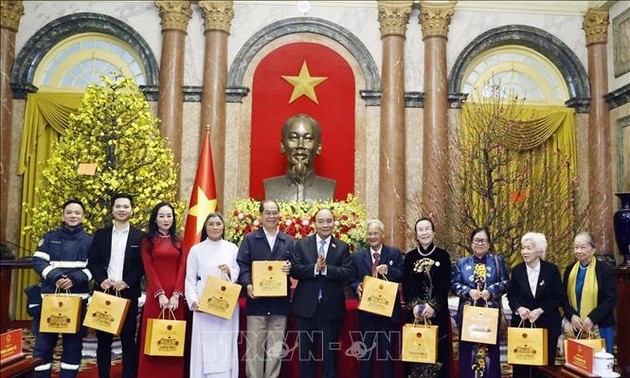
x=622, y=227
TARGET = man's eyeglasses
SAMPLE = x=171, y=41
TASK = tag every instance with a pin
x=480, y=241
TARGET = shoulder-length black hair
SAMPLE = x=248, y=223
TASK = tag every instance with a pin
x=216, y=214
x=153, y=227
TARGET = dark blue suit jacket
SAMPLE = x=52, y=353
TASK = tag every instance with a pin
x=253, y=248
x=550, y=295
x=391, y=256
x=101, y=252
x=339, y=270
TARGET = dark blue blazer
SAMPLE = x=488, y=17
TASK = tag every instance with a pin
x=550, y=296
x=253, y=248
x=391, y=256
x=339, y=271
x=101, y=252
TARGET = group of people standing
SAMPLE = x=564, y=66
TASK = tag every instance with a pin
x=582, y=300
x=118, y=256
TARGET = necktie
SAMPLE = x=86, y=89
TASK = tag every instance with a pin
x=377, y=260
x=320, y=253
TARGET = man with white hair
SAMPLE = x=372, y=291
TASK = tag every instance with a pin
x=379, y=333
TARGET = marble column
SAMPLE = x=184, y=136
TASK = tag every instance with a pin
x=393, y=17
x=218, y=17
x=595, y=27
x=434, y=21
x=10, y=14
x=174, y=16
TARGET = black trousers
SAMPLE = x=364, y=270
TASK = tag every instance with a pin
x=322, y=331
x=380, y=336
x=129, y=346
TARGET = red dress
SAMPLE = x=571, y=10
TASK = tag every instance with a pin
x=164, y=267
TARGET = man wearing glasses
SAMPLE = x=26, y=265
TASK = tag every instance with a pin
x=266, y=316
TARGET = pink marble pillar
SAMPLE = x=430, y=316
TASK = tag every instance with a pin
x=434, y=20
x=601, y=198
x=218, y=17
x=393, y=17
x=174, y=16
x=10, y=14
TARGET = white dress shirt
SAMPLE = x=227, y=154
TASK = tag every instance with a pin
x=532, y=276
x=117, y=258
x=271, y=238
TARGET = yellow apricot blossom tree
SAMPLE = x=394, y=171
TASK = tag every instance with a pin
x=112, y=145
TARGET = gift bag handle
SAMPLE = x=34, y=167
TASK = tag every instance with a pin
x=106, y=291
x=164, y=317
x=59, y=291
x=229, y=279
x=589, y=335
x=375, y=275
x=531, y=324
x=426, y=321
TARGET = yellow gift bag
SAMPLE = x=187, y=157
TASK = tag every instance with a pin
x=219, y=297
x=527, y=346
x=480, y=324
x=106, y=312
x=419, y=343
x=61, y=313
x=165, y=337
x=589, y=339
x=378, y=296
x=268, y=279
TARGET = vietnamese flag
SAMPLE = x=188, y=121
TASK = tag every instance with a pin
x=203, y=198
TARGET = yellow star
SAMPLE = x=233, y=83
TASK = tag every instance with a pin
x=304, y=84
x=201, y=210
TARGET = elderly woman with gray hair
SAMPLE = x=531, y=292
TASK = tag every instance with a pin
x=535, y=295
x=591, y=292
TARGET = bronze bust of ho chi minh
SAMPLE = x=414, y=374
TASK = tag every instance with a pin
x=301, y=143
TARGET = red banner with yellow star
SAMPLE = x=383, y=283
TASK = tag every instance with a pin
x=306, y=78
x=203, y=198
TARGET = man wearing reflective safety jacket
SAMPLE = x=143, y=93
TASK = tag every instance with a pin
x=61, y=261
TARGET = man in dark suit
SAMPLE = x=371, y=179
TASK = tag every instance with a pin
x=379, y=333
x=116, y=264
x=322, y=264
x=266, y=317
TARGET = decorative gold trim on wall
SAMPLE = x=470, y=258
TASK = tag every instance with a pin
x=174, y=14
x=10, y=13
x=393, y=17
x=595, y=26
x=217, y=15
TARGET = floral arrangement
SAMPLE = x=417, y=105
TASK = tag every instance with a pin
x=423, y=266
x=297, y=219
x=480, y=275
x=479, y=365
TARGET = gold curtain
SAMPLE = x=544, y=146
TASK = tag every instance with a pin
x=544, y=139
x=45, y=119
